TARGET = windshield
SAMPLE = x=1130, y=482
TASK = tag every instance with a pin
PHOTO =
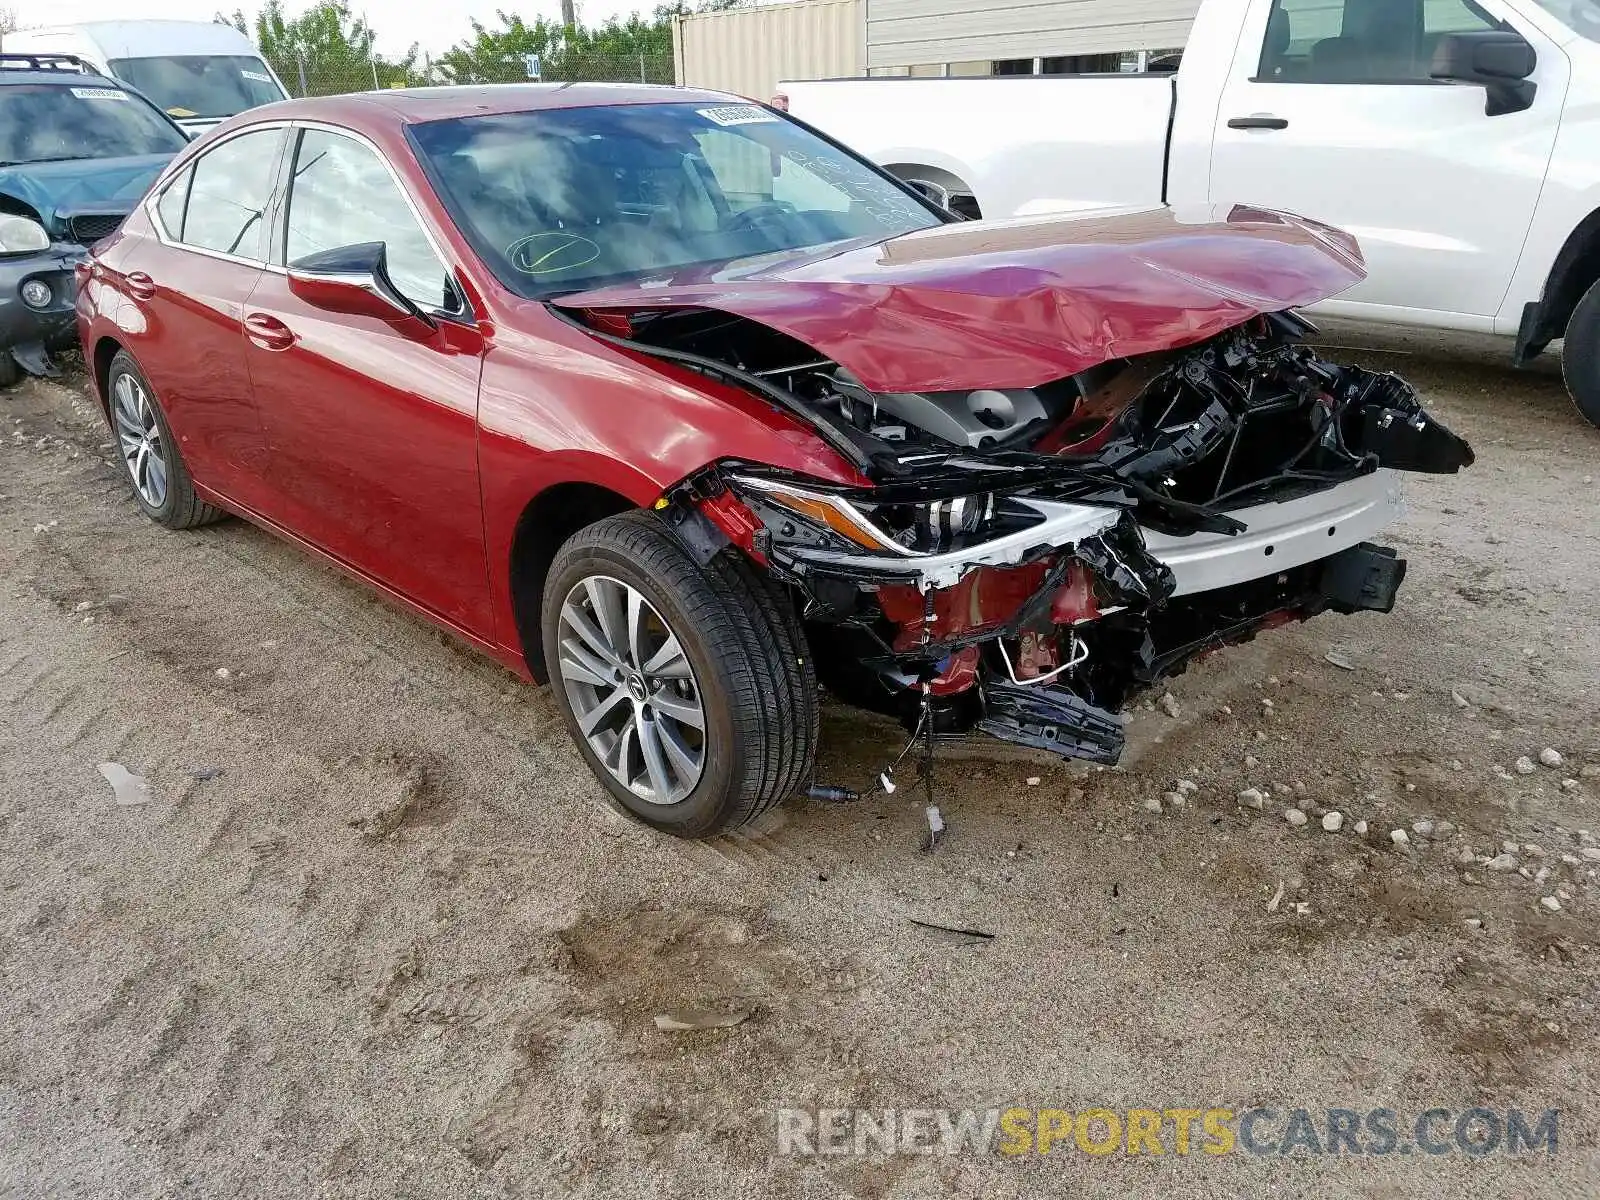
x=200, y=85
x=564, y=200
x=1580, y=16
x=49, y=122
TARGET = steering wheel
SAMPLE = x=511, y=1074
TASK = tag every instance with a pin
x=757, y=215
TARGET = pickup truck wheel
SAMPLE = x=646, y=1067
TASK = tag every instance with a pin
x=687, y=689
x=1580, y=355
x=161, y=483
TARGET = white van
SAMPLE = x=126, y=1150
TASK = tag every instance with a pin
x=200, y=72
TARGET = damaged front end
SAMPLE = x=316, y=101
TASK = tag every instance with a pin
x=1021, y=561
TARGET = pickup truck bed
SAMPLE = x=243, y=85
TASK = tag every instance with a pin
x=1090, y=141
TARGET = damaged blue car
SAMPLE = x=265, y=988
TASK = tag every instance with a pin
x=77, y=151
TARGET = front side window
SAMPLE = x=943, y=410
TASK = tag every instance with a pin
x=229, y=194
x=562, y=200
x=342, y=194
x=48, y=122
x=1362, y=41
x=200, y=85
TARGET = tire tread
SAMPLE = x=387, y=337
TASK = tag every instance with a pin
x=1580, y=355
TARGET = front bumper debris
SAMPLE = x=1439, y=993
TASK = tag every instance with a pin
x=1053, y=719
x=1030, y=590
x=1282, y=534
x=1041, y=635
x=1364, y=578
x=31, y=334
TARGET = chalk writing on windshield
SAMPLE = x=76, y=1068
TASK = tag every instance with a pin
x=874, y=196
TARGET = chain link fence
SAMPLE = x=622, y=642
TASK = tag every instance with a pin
x=320, y=79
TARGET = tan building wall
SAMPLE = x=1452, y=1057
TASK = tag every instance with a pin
x=747, y=50
x=911, y=32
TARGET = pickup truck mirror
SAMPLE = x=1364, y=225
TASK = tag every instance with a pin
x=931, y=192
x=1499, y=60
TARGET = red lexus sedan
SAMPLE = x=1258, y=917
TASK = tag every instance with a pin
x=671, y=400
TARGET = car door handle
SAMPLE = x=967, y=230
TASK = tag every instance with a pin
x=1258, y=123
x=268, y=332
x=141, y=285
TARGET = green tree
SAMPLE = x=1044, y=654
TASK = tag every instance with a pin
x=499, y=55
x=324, y=50
x=638, y=49
x=665, y=12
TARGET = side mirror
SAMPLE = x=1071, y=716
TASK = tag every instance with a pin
x=1499, y=60
x=931, y=192
x=355, y=280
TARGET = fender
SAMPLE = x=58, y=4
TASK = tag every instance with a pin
x=1565, y=233
x=1575, y=269
x=558, y=406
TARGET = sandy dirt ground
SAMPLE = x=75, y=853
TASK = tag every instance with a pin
x=374, y=933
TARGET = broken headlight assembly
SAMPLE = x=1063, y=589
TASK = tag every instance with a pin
x=831, y=519
x=892, y=534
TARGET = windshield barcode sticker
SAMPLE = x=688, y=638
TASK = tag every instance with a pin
x=99, y=94
x=737, y=114
x=258, y=76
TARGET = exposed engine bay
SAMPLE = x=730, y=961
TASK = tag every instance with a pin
x=991, y=572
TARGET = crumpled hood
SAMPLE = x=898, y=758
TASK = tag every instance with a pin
x=56, y=189
x=1018, y=303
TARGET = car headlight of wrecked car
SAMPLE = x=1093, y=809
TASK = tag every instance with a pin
x=890, y=535
x=21, y=235
x=812, y=516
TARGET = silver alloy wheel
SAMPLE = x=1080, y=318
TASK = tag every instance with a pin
x=632, y=690
x=139, y=435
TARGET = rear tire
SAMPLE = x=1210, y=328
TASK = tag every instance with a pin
x=1580, y=355
x=162, y=486
x=745, y=669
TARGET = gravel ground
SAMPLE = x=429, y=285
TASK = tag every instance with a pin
x=372, y=931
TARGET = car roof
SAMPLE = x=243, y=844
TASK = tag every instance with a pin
x=413, y=106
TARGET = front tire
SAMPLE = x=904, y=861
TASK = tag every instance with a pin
x=161, y=483
x=1580, y=355
x=687, y=689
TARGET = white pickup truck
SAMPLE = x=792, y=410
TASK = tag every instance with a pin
x=1458, y=140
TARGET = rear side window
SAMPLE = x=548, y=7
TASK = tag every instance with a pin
x=228, y=196
x=343, y=195
x=171, y=205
